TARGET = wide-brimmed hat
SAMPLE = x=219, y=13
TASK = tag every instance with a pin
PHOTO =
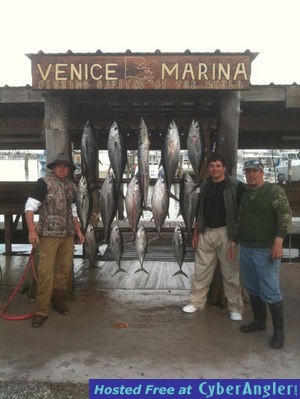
x=61, y=158
x=253, y=164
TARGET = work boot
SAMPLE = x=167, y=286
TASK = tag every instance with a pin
x=259, y=310
x=276, y=310
x=58, y=302
x=38, y=320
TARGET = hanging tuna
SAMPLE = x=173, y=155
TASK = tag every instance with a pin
x=189, y=193
x=134, y=202
x=108, y=203
x=143, y=161
x=180, y=249
x=89, y=246
x=84, y=203
x=116, y=246
x=141, y=243
x=89, y=155
x=170, y=153
x=196, y=147
x=160, y=201
x=117, y=152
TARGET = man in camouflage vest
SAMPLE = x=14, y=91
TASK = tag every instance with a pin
x=54, y=196
x=264, y=220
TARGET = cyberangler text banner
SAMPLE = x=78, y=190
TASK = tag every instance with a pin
x=194, y=389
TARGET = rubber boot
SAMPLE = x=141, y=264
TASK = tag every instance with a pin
x=259, y=310
x=58, y=302
x=276, y=310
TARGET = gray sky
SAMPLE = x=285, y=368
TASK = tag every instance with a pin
x=270, y=28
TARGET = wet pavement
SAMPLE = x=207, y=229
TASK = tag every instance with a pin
x=131, y=325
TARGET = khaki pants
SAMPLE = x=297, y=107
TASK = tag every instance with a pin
x=213, y=246
x=54, y=269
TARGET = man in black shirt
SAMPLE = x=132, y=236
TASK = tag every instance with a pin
x=214, y=232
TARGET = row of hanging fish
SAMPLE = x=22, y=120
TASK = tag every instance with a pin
x=136, y=198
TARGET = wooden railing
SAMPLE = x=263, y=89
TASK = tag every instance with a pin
x=13, y=196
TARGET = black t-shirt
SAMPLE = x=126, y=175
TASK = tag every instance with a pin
x=40, y=190
x=214, y=207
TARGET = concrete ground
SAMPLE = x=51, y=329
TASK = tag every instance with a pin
x=117, y=331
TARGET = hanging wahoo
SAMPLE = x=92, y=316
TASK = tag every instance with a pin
x=141, y=243
x=117, y=152
x=143, y=161
x=84, y=203
x=134, y=202
x=108, y=203
x=170, y=153
x=189, y=192
x=180, y=248
x=196, y=147
x=160, y=201
x=116, y=246
x=89, y=155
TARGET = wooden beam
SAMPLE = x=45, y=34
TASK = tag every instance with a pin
x=24, y=125
x=23, y=94
x=269, y=122
x=264, y=93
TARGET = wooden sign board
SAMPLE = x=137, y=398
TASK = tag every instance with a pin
x=141, y=71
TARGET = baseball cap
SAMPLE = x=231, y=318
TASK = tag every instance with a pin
x=253, y=164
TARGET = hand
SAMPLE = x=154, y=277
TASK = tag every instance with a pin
x=194, y=241
x=80, y=237
x=195, y=237
x=231, y=254
x=277, y=250
x=33, y=238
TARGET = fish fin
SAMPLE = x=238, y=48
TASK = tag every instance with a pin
x=180, y=272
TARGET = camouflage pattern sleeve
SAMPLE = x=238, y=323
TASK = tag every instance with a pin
x=282, y=209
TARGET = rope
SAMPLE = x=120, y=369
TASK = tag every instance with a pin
x=4, y=308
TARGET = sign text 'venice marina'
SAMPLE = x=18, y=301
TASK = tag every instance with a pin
x=134, y=72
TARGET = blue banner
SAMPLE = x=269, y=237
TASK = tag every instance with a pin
x=194, y=389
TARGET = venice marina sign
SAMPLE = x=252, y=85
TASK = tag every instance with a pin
x=134, y=72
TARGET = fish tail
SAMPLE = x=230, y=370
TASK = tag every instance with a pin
x=119, y=270
x=141, y=269
x=180, y=272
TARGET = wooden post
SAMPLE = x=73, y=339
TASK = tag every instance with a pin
x=8, y=231
x=228, y=145
x=57, y=125
x=229, y=127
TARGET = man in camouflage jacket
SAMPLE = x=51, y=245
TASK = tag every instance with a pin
x=54, y=197
x=264, y=220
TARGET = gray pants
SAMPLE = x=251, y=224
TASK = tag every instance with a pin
x=213, y=246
